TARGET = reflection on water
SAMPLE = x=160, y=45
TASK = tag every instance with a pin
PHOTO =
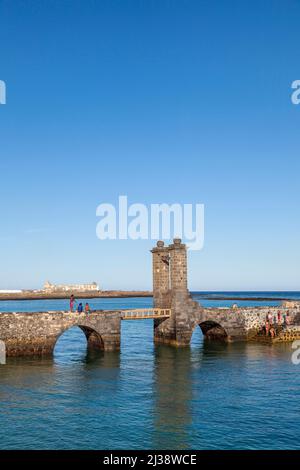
x=211, y=395
x=173, y=397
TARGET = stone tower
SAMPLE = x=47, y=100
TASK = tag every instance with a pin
x=170, y=290
x=161, y=275
x=178, y=264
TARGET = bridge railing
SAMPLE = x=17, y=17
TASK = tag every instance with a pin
x=138, y=314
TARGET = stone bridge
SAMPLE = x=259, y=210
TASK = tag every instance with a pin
x=175, y=315
x=170, y=290
x=37, y=333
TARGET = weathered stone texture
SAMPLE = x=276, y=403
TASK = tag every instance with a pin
x=161, y=275
x=170, y=288
x=37, y=333
x=291, y=333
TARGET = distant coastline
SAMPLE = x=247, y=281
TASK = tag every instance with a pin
x=42, y=295
x=31, y=295
x=256, y=299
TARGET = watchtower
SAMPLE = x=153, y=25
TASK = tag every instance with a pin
x=170, y=290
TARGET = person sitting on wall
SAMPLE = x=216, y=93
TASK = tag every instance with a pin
x=87, y=308
x=80, y=308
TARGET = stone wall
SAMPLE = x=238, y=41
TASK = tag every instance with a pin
x=291, y=333
x=170, y=290
x=255, y=318
x=37, y=333
x=161, y=275
x=231, y=324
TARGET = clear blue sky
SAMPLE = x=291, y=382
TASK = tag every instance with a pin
x=165, y=101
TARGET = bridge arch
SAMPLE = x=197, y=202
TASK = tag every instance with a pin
x=37, y=333
x=211, y=329
x=93, y=337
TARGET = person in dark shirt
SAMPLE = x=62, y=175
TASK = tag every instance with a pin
x=80, y=308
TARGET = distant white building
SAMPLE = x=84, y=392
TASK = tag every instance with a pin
x=10, y=291
x=93, y=287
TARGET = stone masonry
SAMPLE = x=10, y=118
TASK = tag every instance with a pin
x=170, y=290
x=37, y=333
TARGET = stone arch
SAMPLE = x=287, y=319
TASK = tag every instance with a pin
x=93, y=337
x=213, y=330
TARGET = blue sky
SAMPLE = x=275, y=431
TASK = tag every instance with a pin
x=164, y=101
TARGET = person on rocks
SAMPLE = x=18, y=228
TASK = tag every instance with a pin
x=267, y=327
x=272, y=332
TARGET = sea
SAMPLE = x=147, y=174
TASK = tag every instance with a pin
x=210, y=395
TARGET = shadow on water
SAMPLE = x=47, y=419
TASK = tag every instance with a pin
x=172, y=397
x=71, y=348
x=70, y=352
x=174, y=388
x=210, y=350
x=201, y=391
x=46, y=400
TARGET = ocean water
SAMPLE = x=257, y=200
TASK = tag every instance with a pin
x=207, y=396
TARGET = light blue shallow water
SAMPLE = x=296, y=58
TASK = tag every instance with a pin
x=208, y=396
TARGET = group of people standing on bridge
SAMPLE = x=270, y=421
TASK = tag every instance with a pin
x=80, y=309
x=275, y=322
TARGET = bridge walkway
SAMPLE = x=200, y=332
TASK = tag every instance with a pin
x=144, y=313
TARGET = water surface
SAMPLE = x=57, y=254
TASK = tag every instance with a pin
x=208, y=396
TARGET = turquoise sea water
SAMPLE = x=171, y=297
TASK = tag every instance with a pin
x=207, y=396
